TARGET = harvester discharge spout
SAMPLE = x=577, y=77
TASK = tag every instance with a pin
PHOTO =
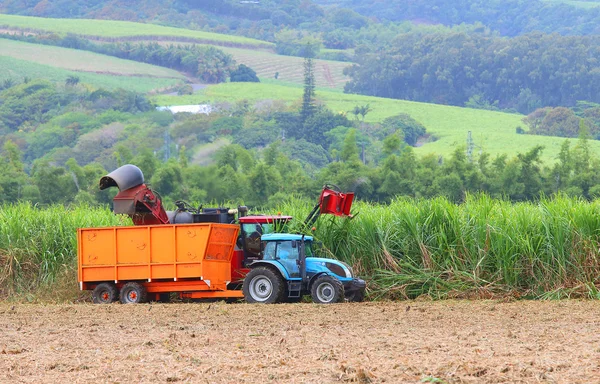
x=134, y=199
x=331, y=202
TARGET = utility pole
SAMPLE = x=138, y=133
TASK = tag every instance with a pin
x=167, y=145
x=470, y=145
x=364, y=160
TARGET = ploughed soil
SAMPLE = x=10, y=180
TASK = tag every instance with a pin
x=400, y=342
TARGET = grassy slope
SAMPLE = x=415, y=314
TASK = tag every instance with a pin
x=110, y=28
x=76, y=60
x=327, y=73
x=18, y=69
x=494, y=132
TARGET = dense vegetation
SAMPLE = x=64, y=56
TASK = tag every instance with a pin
x=479, y=70
x=59, y=139
x=509, y=17
x=481, y=248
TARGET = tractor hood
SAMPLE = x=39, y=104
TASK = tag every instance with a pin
x=315, y=265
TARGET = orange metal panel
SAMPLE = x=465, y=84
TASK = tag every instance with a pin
x=189, y=270
x=162, y=244
x=133, y=245
x=176, y=286
x=217, y=272
x=97, y=247
x=212, y=294
x=162, y=271
x=98, y=274
x=191, y=242
x=132, y=272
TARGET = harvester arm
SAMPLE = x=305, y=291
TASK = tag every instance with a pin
x=134, y=199
x=332, y=202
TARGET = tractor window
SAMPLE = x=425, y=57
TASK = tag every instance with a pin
x=308, y=249
x=269, y=253
x=286, y=251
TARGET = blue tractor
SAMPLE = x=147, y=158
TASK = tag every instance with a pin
x=289, y=270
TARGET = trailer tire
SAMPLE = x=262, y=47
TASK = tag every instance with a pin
x=133, y=293
x=105, y=293
x=263, y=285
x=327, y=290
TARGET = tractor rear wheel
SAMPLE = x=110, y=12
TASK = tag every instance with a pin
x=263, y=285
x=105, y=293
x=133, y=293
x=327, y=290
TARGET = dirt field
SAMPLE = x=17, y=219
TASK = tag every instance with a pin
x=412, y=342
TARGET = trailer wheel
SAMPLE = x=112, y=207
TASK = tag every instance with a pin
x=133, y=293
x=105, y=293
x=327, y=290
x=262, y=285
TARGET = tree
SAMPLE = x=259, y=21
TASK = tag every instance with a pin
x=72, y=80
x=410, y=128
x=214, y=65
x=244, y=74
x=308, y=96
x=363, y=110
x=350, y=151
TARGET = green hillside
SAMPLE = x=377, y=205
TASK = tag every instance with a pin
x=118, y=29
x=256, y=54
x=82, y=61
x=492, y=132
x=17, y=69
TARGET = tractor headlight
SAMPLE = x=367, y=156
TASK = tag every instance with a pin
x=340, y=270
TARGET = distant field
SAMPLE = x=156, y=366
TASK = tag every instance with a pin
x=492, y=132
x=290, y=69
x=17, y=69
x=76, y=60
x=255, y=53
x=119, y=29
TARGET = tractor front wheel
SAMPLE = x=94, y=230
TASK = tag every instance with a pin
x=327, y=290
x=133, y=293
x=263, y=285
x=105, y=293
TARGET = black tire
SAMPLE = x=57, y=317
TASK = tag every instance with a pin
x=263, y=285
x=133, y=293
x=327, y=290
x=105, y=293
x=357, y=296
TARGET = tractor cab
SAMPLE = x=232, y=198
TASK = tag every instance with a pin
x=252, y=228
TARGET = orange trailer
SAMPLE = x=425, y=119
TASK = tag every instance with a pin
x=147, y=261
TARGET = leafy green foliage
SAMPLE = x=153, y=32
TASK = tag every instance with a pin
x=409, y=128
x=244, y=74
x=457, y=68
